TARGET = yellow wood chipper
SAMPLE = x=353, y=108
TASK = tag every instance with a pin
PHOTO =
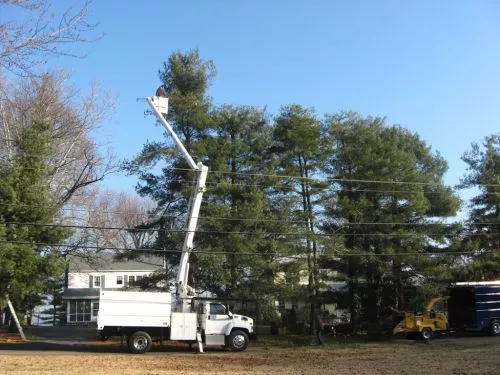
x=424, y=325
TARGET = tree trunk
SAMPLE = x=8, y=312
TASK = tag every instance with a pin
x=352, y=284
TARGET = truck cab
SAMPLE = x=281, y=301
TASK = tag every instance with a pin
x=221, y=327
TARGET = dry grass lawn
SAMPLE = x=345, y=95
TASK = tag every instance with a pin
x=452, y=355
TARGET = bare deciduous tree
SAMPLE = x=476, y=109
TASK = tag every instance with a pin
x=127, y=212
x=110, y=221
x=36, y=33
x=77, y=161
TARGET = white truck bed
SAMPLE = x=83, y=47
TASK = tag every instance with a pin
x=139, y=309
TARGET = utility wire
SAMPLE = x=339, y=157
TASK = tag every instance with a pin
x=340, y=225
x=211, y=185
x=88, y=210
x=255, y=233
x=275, y=255
x=333, y=179
x=338, y=180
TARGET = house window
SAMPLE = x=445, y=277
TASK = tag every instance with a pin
x=79, y=311
x=119, y=280
x=138, y=278
x=131, y=280
x=95, y=308
x=97, y=281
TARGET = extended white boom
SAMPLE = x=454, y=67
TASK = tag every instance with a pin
x=160, y=108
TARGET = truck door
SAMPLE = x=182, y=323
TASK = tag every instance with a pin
x=217, y=319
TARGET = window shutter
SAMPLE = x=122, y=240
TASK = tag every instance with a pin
x=125, y=281
x=66, y=277
x=103, y=282
x=91, y=281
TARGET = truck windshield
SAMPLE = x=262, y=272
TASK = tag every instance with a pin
x=217, y=309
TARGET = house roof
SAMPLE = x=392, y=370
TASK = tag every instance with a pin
x=107, y=262
x=81, y=293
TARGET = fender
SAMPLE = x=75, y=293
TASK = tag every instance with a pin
x=228, y=329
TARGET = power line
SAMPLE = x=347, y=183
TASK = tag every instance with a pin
x=226, y=232
x=257, y=233
x=231, y=219
x=214, y=184
x=338, y=180
x=88, y=210
x=333, y=179
x=275, y=255
x=331, y=189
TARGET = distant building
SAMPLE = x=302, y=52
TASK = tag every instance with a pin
x=294, y=273
x=85, y=280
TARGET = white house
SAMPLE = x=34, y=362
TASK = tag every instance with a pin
x=85, y=280
x=294, y=271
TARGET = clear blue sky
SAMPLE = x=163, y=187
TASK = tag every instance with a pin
x=430, y=66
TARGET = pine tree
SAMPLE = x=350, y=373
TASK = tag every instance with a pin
x=482, y=234
x=238, y=210
x=236, y=213
x=388, y=198
x=300, y=146
x=56, y=313
x=185, y=78
x=27, y=258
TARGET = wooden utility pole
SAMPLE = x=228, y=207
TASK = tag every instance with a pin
x=14, y=316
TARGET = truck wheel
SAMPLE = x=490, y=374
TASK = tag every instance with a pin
x=238, y=341
x=426, y=333
x=495, y=327
x=139, y=342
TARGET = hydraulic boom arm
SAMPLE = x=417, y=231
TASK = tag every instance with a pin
x=159, y=105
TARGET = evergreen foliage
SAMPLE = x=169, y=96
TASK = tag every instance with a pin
x=26, y=263
x=291, y=196
x=300, y=148
x=388, y=199
x=55, y=313
x=482, y=235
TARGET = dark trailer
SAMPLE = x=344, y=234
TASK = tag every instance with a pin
x=475, y=306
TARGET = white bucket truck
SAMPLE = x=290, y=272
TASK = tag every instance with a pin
x=140, y=316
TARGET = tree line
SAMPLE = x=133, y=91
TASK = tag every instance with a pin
x=291, y=197
x=49, y=162
x=342, y=192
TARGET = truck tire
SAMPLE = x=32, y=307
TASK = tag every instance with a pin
x=139, y=342
x=426, y=333
x=495, y=327
x=238, y=341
